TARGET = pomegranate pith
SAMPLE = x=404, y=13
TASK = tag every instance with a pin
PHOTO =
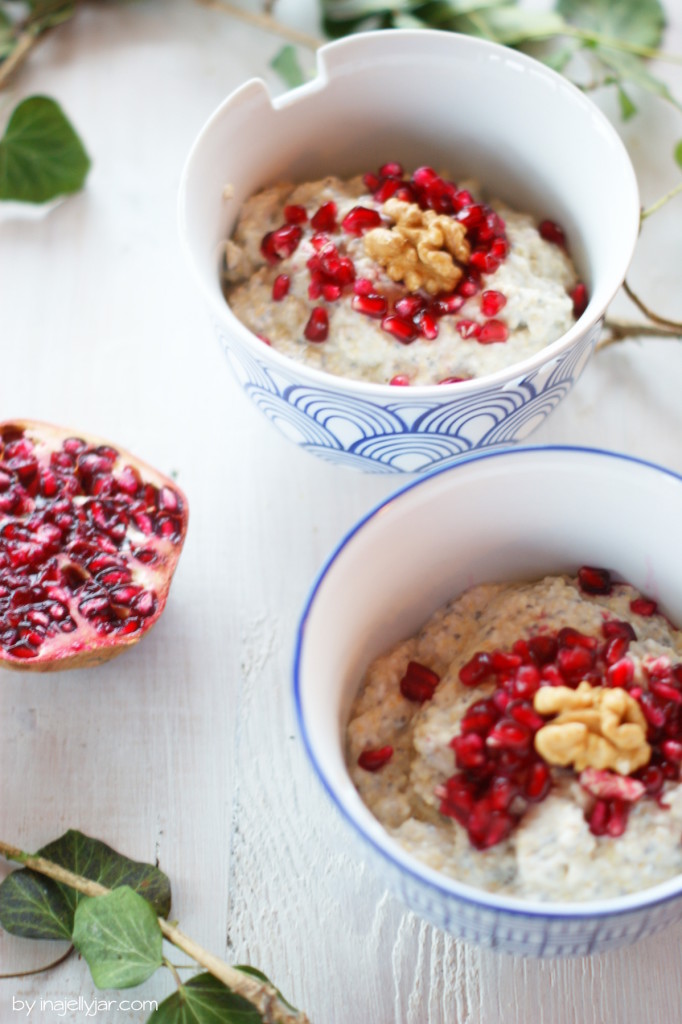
x=89, y=541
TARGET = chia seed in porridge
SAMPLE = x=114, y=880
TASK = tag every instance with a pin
x=398, y=279
x=528, y=740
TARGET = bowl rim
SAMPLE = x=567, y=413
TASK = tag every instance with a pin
x=582, y=327
x=388, y=848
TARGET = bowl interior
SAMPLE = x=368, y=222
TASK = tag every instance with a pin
x=463, y=105
x=512, y=515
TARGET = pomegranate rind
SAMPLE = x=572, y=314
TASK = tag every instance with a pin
x=158, y=504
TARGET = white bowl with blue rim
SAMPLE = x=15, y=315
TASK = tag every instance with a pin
x=419, y=97
x=505, y=515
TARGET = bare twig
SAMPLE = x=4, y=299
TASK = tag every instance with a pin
x=25, y=43
x=673, y=325
x=266, y=22
x=263, y=996
x=620, y=330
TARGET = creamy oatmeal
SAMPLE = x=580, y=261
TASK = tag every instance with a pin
x=397, y=279
x=528, y=739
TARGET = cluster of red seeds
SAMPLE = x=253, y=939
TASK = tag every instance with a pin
x=415, y=315
x=499, y=771
x=65, y=542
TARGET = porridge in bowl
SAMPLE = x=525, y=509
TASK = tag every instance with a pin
x=399, y=279
x=528, y=740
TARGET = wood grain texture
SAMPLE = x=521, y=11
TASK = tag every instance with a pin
x=185, y=750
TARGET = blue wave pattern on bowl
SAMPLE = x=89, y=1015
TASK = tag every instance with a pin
x=392, y=437
x=522, y=934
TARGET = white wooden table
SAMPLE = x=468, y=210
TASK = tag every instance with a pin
x=185, y=749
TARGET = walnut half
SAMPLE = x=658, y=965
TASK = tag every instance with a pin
x=595, y=727
x=419, y=248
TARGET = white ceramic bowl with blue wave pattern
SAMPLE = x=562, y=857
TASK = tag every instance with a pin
x=421, y=97
x=515, y=514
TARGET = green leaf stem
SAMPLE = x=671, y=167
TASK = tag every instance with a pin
x=37, y=907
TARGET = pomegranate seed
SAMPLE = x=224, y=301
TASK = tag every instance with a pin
x=569, y=637
x=574, y=662
x=462, y=198
x=331, y=292
x=363, y=286
x=419, y=682
x=324, y=219
x=280, y=287
x=475, y=670
x=457, y=799
x=492, y=302
x=618, y=818
x=615, y=649
x=606, y=785
x=479, y=717
x=468, y=328
x=486, y=826
x=360, y=219
x=370, y=181
x=551, y=232
x=502, y=792
x=493, y=331
x=598, y=818
x=620, y=673
x=522, y=711
x=387, y=189
x=580, y=299
x=503, y=661
x=471, y=216
x=317, y=328
x=538, y=783
x=666, y=691
x=526, y=681
x=510, y=735
x=643, y=606
x=595, y=581
x=484, y=261
x=409, y=305
x=428, y=326
x=295, y=214
x=374, y=759
x=400, y=380
x=672, y=750
x=281, y=243
x=371, y=305
x=543, y=649
x=469, y=750
x=391, y=170
x=403, y=331
x=614, y=627
x=468, y=286
x=652, y=780
x=453, y=380
x=654, y=714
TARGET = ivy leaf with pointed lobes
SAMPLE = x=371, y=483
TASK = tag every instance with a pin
x=637, y=22
x=119, y=936
x=285, y=63
x=36, y=907
x=41, y=156
x=205, y=1000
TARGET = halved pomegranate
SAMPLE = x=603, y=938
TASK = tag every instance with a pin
x=89, y=540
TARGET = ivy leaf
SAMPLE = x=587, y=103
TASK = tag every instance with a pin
x=285, y=63
x=119, y=936
x=678, y=153
x=513, y=26
x=205, y=1000
x=628, y=67
x=627, y=107
x=342, y=16
x=638, y=22
x=35, y=907
x=41, y=156
x=46, y=13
